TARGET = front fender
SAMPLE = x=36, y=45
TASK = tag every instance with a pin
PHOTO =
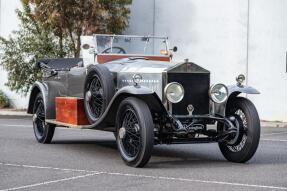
x=233, y=91
x=141, y=92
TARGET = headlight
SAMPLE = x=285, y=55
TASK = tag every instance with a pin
x=137, y=78
x=240, y=79
x=174, y=92
x=218, y=93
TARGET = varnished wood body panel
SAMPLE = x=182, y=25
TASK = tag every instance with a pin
x=71, y=110
x=103, y=58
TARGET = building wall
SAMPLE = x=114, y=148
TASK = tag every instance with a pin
x=226, y=37
x=141, y=18
x=267, y=57
x=209, y=33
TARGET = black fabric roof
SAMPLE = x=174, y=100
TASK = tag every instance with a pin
x=61, y=63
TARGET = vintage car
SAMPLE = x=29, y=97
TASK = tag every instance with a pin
x=130, y=86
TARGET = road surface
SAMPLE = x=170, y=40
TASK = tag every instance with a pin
x=89, y=160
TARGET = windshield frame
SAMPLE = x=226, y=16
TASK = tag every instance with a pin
x=113, y=36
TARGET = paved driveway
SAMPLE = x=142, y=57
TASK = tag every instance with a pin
x=89, y=160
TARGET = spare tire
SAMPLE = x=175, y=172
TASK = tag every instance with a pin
x=98, y=91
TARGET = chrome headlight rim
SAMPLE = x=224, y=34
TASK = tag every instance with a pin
x=240, y=79
x=137, y=78
x=212, y=97
x=166, y=93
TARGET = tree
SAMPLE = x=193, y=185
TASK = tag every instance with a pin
x=74, y=18
x=51, y=29
x=21, y=50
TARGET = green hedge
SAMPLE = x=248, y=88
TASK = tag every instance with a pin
x=4, y=101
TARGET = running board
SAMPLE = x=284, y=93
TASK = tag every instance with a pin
x=58, y=123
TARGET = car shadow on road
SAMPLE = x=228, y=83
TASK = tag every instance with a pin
x=102, y=143
x=171, y=156
x=161, y=156
x=177, y=157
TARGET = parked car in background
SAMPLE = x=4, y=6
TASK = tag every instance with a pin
x=130, y=86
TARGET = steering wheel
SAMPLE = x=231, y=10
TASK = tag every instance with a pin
x=119, y=50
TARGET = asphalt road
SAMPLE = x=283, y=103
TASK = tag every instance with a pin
x=89, y=160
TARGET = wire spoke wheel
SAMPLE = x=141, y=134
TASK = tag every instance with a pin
x=95, y=97
x=39, y=117
x=241, y=118
x=247, y=138
x=131, y=138
x=43, y=132
x=135, y=132
x=99, y=89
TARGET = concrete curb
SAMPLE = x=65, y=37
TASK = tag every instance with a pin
x=277, y=124
x=12, y=113
x=15, y=117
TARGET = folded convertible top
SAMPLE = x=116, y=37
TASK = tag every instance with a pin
x=61, y=63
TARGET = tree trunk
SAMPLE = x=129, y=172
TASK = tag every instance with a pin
x=78, y=46
x=73, y=42
x=62, y=53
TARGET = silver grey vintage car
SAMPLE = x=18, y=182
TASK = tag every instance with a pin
x=130, y=86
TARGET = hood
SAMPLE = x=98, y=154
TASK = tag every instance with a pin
x=138, y=65
x=141, y=65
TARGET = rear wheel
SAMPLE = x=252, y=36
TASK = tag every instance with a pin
x=43, y=132
x=135, y=132
x=247, y=119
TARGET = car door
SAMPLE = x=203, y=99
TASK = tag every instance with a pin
x=76, y=80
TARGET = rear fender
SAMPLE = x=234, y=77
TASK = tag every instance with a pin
x=37, y=88
x=50, y=90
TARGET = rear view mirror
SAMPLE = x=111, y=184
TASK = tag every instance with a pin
x=174, y=49
x=86, y=46
x=90, y=48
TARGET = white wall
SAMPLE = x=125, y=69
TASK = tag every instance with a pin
x=141, y=18
x=8, y=23
x=209, y=33
x=215, y=34
x=267, y=57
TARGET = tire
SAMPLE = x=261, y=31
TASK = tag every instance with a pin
x=244, y=149
x=98, y=91
x=43, y=132
x=135, y=114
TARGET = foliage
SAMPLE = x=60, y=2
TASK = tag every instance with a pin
x=52, y=29
x=4, y=101
x=21, y=50
x=73, y=18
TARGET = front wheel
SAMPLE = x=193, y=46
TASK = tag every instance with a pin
x=246, y=116
x=135, y=132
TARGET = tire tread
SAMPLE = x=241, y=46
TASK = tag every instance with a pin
x=249, y=150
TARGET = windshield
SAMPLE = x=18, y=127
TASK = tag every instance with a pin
x=126, y=44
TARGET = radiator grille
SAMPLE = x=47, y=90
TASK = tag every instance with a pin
x=196, y=86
